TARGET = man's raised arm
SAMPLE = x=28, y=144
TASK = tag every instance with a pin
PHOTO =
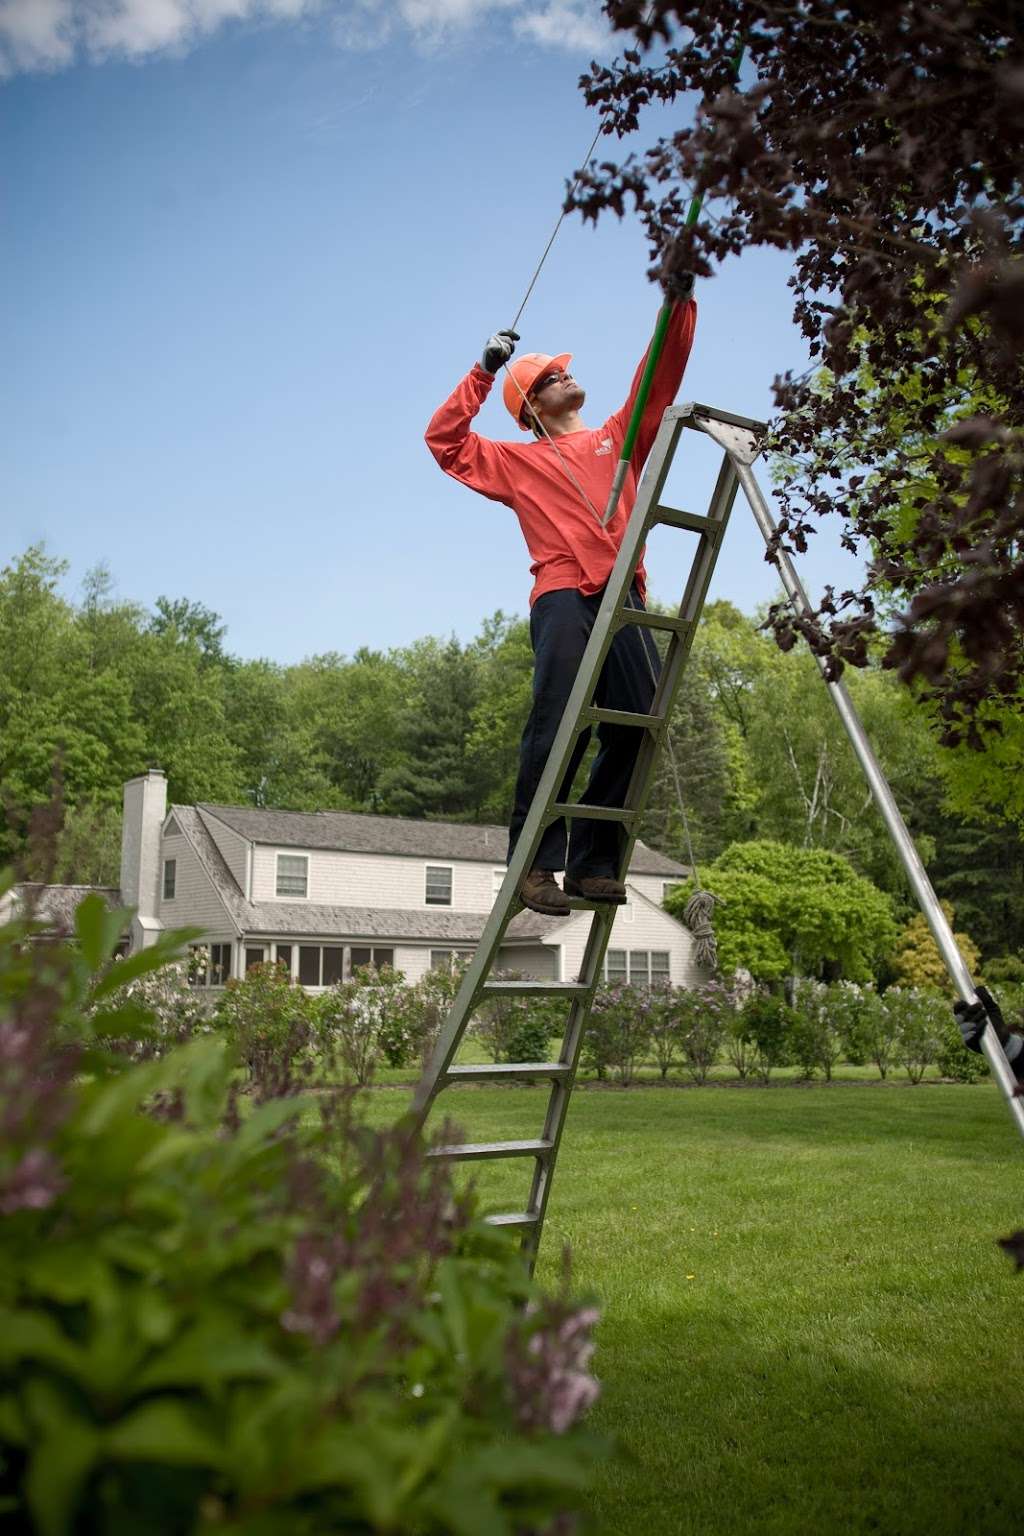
x=473, y=460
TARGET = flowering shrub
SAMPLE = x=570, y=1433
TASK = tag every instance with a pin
x=269, y=1023
x=280, y=1323
x=172, y=1003
x=815, y=1039
x=431, y=1001
x=618, y=1030
x=920, y=1018
x=663, y=1028
x=705, y=1013
x=740, y=1051
x=517, y=1028
x=768, y=1024
x=365, y=1019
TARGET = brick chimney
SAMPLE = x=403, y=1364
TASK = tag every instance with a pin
x=145, y=808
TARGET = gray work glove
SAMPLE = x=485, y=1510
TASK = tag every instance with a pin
x=498, y=350
x=973, y=1017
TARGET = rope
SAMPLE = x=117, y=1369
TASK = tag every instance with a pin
x=554, y=232
x=699, y=910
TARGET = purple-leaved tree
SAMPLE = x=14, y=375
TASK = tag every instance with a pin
x=881, y=141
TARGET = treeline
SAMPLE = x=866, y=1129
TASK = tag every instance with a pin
x=104, y=688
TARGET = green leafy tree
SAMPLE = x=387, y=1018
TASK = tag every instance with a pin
x=503, y=698
x=349, y=711
x=916, y=961
x=437, y=772
x=794, y=911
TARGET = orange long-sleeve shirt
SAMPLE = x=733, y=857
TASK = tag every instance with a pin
x=567, y=545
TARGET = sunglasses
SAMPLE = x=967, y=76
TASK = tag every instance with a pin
x=549, y=378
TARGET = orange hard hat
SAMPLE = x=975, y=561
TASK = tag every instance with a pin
x=525, y=372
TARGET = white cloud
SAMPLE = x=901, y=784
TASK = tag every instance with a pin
x=35, y=34
x=52, y=34
x=577, y=25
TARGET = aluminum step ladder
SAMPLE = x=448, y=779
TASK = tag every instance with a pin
x=739, y=437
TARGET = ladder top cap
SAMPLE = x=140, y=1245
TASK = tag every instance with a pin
x=692, y=411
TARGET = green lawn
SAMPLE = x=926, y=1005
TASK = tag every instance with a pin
x=807, y=1325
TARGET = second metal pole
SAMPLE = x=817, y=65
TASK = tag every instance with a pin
x=890, y=811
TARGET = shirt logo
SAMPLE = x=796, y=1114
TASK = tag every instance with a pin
x=604, y=446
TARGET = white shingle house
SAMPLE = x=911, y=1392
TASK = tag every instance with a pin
x=323, y=892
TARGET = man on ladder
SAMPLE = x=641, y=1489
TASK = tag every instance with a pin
x=556, y=485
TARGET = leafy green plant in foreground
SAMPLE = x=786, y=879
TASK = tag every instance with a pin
x=219, y=1316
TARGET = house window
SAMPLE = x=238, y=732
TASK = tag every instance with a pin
x=170, y=877
x=333, y=964
x=220, y=964
x=640, y=967
x=283, y=956
x=375, y=957
x=211, y=964
x=320, y=965
x=309, y=965
x=439, y=885
x=254, y=956
x=447, y=959
x=497, y=880
x=292, y=874
x=615, y=965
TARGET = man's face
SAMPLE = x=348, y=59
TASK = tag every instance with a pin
x=555, y=392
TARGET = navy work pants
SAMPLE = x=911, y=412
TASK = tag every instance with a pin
x=560, y=626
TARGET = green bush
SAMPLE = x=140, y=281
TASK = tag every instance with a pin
x=264, y=1318
x=954, y=1060
x=768, y=1023
x=1004, y=968
x=618, y=1030
x=269, y=1024
x=815, y=1040
x=516, y=1028
x=921, y=1020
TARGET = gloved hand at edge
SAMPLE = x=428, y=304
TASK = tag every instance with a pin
x=498, y=350
x=973, y=1017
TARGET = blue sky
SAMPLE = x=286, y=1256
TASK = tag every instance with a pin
x=249, y=245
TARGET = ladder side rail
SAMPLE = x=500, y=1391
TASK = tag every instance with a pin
x=640, y=787
x=537, y=817
x=561, y=1091
x=883, y=796
x=674, y=665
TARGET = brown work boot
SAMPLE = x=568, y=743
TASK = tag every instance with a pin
x=596, y=888
x=541, y=892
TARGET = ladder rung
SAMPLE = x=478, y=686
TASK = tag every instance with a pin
x=623, y=717
x=512, y=1219
x=593, y=812
x=654, y=620
x=475, y=1151
x=694, y=522
x=535, y=988
x=504, y=1071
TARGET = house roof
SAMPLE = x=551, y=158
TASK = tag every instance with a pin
x=357, y=832
x=56, y=905
x=316, y=921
